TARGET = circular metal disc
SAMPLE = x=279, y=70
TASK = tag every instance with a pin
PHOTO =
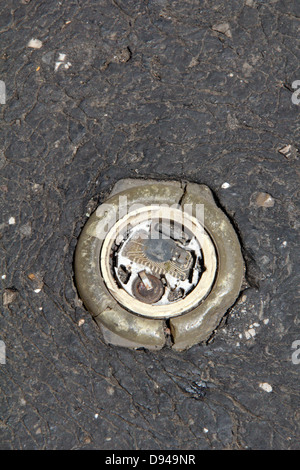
x=148, y=295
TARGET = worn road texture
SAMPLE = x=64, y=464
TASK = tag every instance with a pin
x=188, y=90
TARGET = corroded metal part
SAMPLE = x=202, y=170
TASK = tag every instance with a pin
x=148, y=289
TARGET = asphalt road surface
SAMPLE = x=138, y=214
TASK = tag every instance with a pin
x=202, y=91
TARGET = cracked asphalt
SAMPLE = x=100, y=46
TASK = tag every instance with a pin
x=188, y=90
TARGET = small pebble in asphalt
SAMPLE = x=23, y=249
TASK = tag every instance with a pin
x=266, y=387
x=265, y=200
x=223, y=28
x=9, y=296
x=35, y=43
